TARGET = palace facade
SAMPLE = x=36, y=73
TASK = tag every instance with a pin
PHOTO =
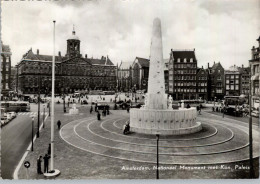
x=72, y=71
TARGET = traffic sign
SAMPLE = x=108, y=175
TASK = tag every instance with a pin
x=27, y=164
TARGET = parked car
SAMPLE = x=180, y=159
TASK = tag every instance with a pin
x=12, y=115
x=4, y=120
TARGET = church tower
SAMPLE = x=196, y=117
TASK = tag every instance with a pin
x=73, y=46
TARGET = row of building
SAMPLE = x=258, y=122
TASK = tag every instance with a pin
x=183, y=78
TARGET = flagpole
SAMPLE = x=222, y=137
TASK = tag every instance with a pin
x=53, y=172
x=52, y=98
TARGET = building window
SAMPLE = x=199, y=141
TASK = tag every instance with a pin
x=191, y=60
x=178, y=60
x=227, y=87
x=237, y=76
x=237, y=81
x=218, y=71
x=237, y=87
x=232, y=87
x=232, y=76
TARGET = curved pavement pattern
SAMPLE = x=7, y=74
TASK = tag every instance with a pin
x=218, y=142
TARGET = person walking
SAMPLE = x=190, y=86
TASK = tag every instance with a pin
x=46, y=163
x=91, y=109
x=39, y=165
x=98, y=115
x=59, y=124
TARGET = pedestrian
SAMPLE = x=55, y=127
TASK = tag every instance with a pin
x=104, y=112
x=59, y=124
x=46, y=163
x=49, y=149
x=96, y=108
x=68, y=103
x=188, y=106
x=98, y=115
x=39, y=165
x=91, y=109
x=107, y=109
x=127, y=109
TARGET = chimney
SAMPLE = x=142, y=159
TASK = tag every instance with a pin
x=194, y=49
x=214, y=62
x=59, y=54
x=208, y=65
x=37, y=51
x=86, y=56
x=242, y=66
x=202, y=66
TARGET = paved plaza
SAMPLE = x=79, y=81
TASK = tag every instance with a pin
x=88, y=148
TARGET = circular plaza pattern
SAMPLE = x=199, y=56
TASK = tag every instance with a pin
x=219, y=141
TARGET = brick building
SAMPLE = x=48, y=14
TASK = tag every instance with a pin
x=255, y=82
x=182, y=74
x=72, y=71
x=124, y=76
x=166, y=75
x=5, y=69
x=233, y=81
x=140, y=73
x=245, y=77
x=202, y=83
x=216, y=89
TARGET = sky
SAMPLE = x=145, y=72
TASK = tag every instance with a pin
x=219, y=30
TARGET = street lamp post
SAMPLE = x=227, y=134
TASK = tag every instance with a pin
x=43, y=119
x=250, y=132
x=39, y=104
x=157, y=168
x=32, y=132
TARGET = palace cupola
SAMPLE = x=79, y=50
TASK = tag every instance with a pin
x=73, y=46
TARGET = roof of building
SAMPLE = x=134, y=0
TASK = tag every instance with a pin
x=102, y=61
x=73, y=36
x=233, y=68
x=215, y=65
x=39, y=57
x=125, y=65
x=143, y=62
x=184, y=54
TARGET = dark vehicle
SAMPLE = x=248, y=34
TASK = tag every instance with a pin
x=16, y=106
x=120, y=102
x=124, y=105
x=102, y=106
x=139, y=105
x=233, y=111
x=85, y=102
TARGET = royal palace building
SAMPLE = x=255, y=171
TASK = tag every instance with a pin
x=72, y=71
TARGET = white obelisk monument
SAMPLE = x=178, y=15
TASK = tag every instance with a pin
x=157, y=115
x=156, y=97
